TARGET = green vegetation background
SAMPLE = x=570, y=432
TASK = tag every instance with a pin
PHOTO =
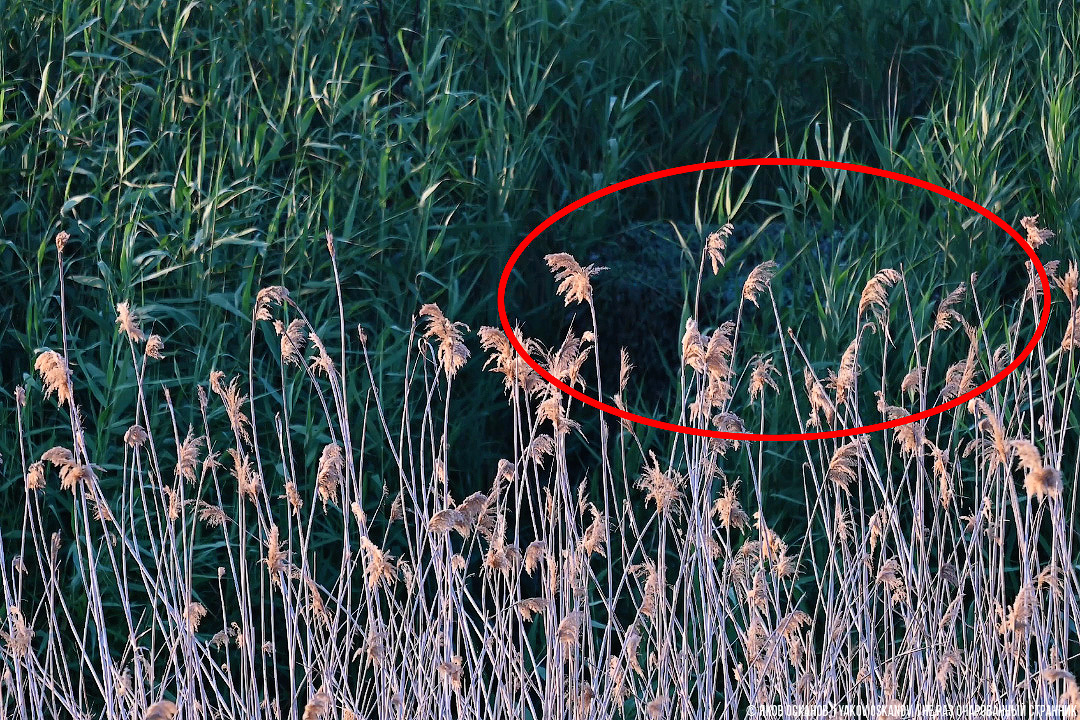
x=199, y=151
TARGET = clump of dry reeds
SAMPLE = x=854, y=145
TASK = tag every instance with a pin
x=933, y=563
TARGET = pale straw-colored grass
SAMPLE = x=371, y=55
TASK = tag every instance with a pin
x=259, y=577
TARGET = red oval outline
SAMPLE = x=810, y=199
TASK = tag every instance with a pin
x=718, y=164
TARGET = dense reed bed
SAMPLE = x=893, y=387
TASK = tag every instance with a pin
x=935, y=563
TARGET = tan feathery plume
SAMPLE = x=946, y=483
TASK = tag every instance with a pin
x=693, y=346
x=1020, y=612
x=315, y=604
x=1028, y=454
x=630, y=651
x=656, y=707
x=233, y=398
x=875, y=296
x=617, y=680
x=248, y=479
x=321, y=360
x=155, y=347
x=292, y=496
x=844, y=382
x=506, y=361
x=819, y=400
x=293, y=342
x=173, y=511
x=758, y=281
x=379, y=567
x=843, y=527
x=792, y=624
x=946, y=312
x=272, y=295
x=318, y=707
x=729, y=510
x=1049, y=576
x=762, y=377
x=912, y=381
x=164, y=710
x=911, y=437
x=451, y=669
x=718, y=352
x=941, y=472
x=35, y=476
x=542, y=446
x=1055, y=674
x=553, y=410
x=55, y=375
x=569, y=629
x=534, y=555
x=444, y=521
x=376, y=644
x=772, y=545
x=625, y=368
x=502, y=355
x=1002, y=356
x=891, y=576
x=193, y=614
x=662, y=488
x=452, y=350
x=19, y=641
x=948, y=662
x=473, y=510
x=212, y=515
x=275, y=560
x=528, y=607
x=1070, y=282
x=61, y=240
x=651, y=593
x=565, y=365
x=879, y=523
x=331, y=473
x=501, y=557
x=135, y=436
x=187, y=454
x=59, y=457
x=716, y=245
x=960, y=376
x=1039, y=481
x=992, y=424
x=128, y=320
x=71, y=471
x=843, y=467
x=1036, y=237
x=573, y=279
x=1071, y=339
x=952, y=611
x=592, y=542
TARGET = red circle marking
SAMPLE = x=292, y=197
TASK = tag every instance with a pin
x=697, y=167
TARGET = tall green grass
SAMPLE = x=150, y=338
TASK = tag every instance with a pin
x=195, y=151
